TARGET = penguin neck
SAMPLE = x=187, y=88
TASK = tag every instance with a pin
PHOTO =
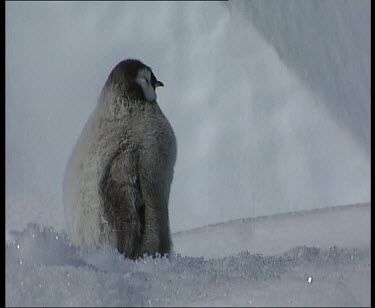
x=118, y=105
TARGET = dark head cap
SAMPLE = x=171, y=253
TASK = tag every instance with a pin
x=135, y=79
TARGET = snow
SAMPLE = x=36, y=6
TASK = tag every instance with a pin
x=324, y=228
x=270, y=104
x=44, y=269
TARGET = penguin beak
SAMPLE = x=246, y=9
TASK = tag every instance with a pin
x=159, y=84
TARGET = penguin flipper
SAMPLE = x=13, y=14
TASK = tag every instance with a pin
x=123, y=202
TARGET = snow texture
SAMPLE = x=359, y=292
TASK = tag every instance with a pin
x=44, y=269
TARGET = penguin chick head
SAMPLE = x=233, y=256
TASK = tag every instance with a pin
x=134, y=79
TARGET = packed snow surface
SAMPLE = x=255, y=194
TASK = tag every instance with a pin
x=44, y=269
x=272, y=235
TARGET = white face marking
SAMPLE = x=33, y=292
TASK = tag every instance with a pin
x=144, y=80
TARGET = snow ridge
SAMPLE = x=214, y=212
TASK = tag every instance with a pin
x=44, y=269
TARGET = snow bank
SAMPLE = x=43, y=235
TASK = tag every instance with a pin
x=44, y=269
x=344, y=226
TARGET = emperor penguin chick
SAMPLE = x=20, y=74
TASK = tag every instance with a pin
x=118, y=178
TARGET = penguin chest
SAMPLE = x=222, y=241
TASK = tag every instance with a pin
x=158, y=150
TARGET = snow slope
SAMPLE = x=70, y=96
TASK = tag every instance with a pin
x=329, y=268
x=344, y=226
x=335, y=42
